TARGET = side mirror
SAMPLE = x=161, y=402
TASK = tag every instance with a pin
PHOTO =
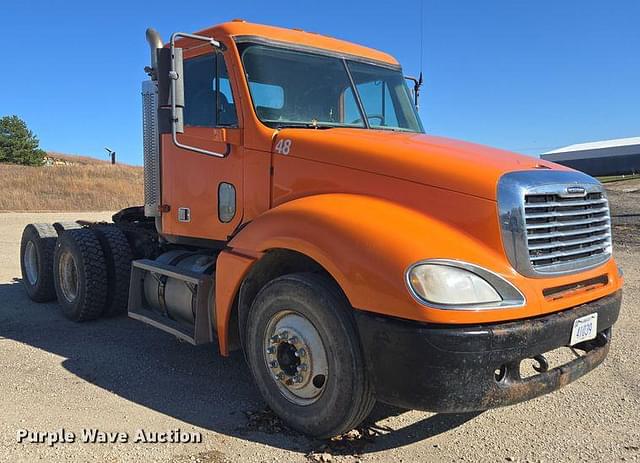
x=417, y=83
x=173, y=89
x=169, y=82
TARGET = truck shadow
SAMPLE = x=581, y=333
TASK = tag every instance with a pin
x=191, y=384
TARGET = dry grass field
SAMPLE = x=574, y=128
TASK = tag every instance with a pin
x=85, y=185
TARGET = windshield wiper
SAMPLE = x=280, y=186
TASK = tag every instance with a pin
x=300, y=125
x=310, y=125
x=305, y=125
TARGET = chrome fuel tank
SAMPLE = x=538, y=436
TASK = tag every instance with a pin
x=175, y=298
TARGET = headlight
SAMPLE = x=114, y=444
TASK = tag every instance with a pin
x=450, y=285
x=460, y=285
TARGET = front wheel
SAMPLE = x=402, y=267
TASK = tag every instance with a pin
x=305, y=355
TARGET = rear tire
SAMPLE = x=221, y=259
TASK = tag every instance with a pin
x=118, y=258
x=300, y=335
x=80, y=274
x=36, y=261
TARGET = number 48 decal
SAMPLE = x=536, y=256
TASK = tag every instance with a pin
x=283, y=146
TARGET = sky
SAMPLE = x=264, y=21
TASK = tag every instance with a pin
x=528, y=76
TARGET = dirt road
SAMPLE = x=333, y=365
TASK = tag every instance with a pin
x=120, y=375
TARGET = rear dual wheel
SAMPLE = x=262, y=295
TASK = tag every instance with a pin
x=80, y=275
x=91, y=268
x=118, y=258
x=36, y=261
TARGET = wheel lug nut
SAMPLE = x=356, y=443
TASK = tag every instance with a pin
x=275, y=338
x=273, y=364
x=297, y=379
x=293, y=340
x=279, y=376
x=300, y=353
x=302, y=367
x=284, y=335
x=271, y=350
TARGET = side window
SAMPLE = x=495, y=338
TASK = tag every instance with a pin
x=226, y=108
x=208, y=101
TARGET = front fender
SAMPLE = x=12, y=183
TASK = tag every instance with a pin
x=366, y=244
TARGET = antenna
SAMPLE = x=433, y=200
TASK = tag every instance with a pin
x=421, y=35
x=417, y=82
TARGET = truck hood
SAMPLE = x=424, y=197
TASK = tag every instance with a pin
x=429, y=160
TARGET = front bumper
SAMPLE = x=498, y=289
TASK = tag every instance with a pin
x=452, y=369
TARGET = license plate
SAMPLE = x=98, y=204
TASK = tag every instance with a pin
x=584, y=329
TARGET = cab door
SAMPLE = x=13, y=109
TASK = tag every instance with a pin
x=202, y=194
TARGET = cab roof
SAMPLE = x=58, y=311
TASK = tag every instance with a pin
x=240, y=28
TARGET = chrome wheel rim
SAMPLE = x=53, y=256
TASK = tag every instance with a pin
x=296, y=357
x=30, y=261
x=68, y=272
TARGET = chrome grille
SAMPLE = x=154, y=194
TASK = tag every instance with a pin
x=553, y=222
x=563, y=229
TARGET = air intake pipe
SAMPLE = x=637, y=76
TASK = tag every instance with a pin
x=155, y=43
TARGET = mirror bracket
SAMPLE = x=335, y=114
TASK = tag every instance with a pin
x=177, y=91
x=417, y=83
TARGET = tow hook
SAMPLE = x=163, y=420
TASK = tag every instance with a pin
x=543, y=363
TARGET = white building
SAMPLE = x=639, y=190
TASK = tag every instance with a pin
x=608, y=157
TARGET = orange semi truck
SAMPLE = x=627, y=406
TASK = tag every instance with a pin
x=295, y=208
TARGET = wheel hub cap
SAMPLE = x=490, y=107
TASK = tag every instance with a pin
x=30, y=261
x=296, y=357
x=68, y=272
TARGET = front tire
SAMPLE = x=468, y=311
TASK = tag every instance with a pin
x=36, y=261
x=304, y=351
x=80, y=275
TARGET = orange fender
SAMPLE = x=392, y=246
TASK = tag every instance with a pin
x=368, y=243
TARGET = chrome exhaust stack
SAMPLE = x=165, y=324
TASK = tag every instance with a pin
x=150, y=131
x=155, y=44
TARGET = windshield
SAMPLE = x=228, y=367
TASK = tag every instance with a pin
x=293, y=88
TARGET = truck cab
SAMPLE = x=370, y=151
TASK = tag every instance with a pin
x=295, y=208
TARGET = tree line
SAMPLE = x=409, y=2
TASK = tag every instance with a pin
x=18, y=144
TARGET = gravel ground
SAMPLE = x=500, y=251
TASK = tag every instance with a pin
x=120, y=375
